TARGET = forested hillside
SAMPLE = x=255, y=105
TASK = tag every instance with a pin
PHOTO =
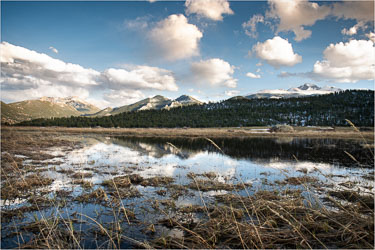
x=324, y=110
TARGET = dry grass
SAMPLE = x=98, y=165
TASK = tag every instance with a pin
x=280, y=222
x=211, y=185
x=300, y=180
x=22, y=187
x=311, y=132
x=81, y=175
x=135, y=179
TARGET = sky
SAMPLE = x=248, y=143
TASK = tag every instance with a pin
x=116, y=53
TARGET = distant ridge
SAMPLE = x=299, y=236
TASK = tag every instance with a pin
x=315, y=110
x=306, y=89
x=45, y=107
x=157, y=102
x=48, y=107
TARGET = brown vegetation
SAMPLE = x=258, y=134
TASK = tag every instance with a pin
x=313, y=132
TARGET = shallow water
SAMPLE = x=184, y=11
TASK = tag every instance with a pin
x=246, y=160
x=261, y=162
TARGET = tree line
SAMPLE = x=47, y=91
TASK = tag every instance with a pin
x=322, y=110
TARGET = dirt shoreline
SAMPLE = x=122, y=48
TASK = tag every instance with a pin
x=306, y=132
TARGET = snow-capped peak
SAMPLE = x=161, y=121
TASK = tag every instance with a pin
x=309, y=86
x=186, y=99
x=72, y=101
x=303, y=90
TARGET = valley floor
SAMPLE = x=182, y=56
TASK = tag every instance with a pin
x=307, y=132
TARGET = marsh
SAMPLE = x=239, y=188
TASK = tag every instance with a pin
x=95, y=190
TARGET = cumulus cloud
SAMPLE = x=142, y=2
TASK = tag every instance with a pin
x=215, y=71
x=140, y=77
x=232, y=92
x=24, y=64
x=349, y=32
x=293, y=15
x=252, y=75
x=277, y=52
x=211, y=9
x=296, y=15
x=354, y=30
x=174, y=38
x=54, y=50
x=27, y=74
x=347, y=62
x=358, y=10
x=250, y=26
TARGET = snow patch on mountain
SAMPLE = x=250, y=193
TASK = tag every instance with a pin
x=306, y=89
x=71, y=101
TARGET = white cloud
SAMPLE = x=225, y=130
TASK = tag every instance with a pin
x=44, y=90
x=211, y=9
x=296, y=15
x=358, y=10
x=124, y=97
x=349, y=32
x=371, y=36
x=141, y=77
x=354, y=30
x=347, y=62
x=277, y=52
x=174, y=38
x=259, y=64
x=215, y=71
x=258, y=70
x=293, y=15
x=54, y=50
x=232, y=92
x=250, y=26
x=27, y=74
x=252, y=75
x=21, y=63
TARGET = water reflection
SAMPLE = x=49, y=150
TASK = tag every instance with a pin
x=260, y=162
x=255, y=149
x=248, y=160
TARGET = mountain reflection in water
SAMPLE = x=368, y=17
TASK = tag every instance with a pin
x=260, y=150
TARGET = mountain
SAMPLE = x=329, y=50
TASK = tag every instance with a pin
x=155, y=103
x=304, y=90
x=183, y=100
x=45, y=107
x=317, y=110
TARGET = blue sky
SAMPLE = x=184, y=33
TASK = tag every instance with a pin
x=116, y=53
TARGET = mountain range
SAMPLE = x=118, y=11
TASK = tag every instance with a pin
x=306, y=89
x=156, y=102
x=47, y=107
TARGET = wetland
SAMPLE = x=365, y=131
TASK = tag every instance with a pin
x=67, y=189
